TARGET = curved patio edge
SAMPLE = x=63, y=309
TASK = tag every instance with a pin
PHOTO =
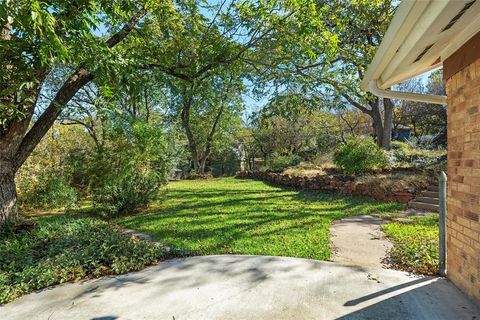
x=244, y=286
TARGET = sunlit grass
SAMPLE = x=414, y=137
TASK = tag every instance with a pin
x=230, y=215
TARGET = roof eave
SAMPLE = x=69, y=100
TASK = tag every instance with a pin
x=403, y=21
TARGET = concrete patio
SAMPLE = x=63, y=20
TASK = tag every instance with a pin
x=249, y=287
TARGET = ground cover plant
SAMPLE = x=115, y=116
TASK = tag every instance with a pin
x=62, y=248
x=235, y=216
x=415, y=244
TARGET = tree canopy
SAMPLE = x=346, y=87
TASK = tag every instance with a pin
x=190, y=69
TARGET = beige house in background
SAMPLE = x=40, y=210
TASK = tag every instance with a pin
x=422, y=36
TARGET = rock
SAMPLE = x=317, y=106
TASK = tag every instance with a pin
x=337, y=183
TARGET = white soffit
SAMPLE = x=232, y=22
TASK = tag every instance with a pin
x=420, y=37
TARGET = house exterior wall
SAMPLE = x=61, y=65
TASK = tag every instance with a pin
x=463, y=169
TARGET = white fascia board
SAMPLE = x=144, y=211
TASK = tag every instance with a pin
x=402, y=23
x=414, y=38
x=468, y=32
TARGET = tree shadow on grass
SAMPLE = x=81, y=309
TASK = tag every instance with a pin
x=233, y=220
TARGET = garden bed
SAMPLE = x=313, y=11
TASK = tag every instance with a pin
x=415, y=244
x=59, y=249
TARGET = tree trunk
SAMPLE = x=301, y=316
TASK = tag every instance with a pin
x=382, y=126
x=8, y=193
x=185, y=116
x=387, y=123
x=377, y=124
x=203, y=162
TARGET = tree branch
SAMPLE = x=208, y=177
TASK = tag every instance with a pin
x=70, y=87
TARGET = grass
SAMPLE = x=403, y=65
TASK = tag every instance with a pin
x=65, y=248
x=415, y=244
x=222, y=216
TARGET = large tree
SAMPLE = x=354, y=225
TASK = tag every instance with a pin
x=209, y=113
x=248, y=41
x=359, y=26
x=36, y=37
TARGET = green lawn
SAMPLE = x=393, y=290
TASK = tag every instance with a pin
x=230, y=215
x=415, y=244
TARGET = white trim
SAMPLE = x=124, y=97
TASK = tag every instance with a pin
x=416, y=25
x=402, y=23
x=461, y=39
x=413, y=40
x=427, y=98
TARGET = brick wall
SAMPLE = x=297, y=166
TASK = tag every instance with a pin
x=463, y=222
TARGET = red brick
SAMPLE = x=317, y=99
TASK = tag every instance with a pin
x=463, y=168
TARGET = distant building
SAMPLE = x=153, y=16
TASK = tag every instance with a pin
x=401, y=133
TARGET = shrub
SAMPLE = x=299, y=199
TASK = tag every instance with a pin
x=128, y=190
x=62, y=249
x=51, y=191
x=360, y=155
x=282, y=162
x=128, y=172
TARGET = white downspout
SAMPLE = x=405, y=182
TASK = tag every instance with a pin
x=419, y=97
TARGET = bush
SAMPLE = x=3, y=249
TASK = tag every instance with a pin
x=126, y=191
x=51, y=191
x=128, y=172
x=360, y=155
x=282, y=162
x=62, y=249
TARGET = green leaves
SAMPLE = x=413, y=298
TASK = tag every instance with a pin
x=127, y=173
x=360, y=155
x=40, y=35
x=62, y=249
x=415, y=244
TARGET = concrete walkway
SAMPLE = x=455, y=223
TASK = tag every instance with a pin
x=249, y=287
x=359, y=241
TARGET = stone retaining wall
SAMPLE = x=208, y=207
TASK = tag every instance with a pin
x=339, y=184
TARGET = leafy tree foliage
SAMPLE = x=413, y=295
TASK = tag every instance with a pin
x=359, y=26
x=289, y=127
x=425, y=120
x=129, y=170
x=218, y=46
x=36, y=36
